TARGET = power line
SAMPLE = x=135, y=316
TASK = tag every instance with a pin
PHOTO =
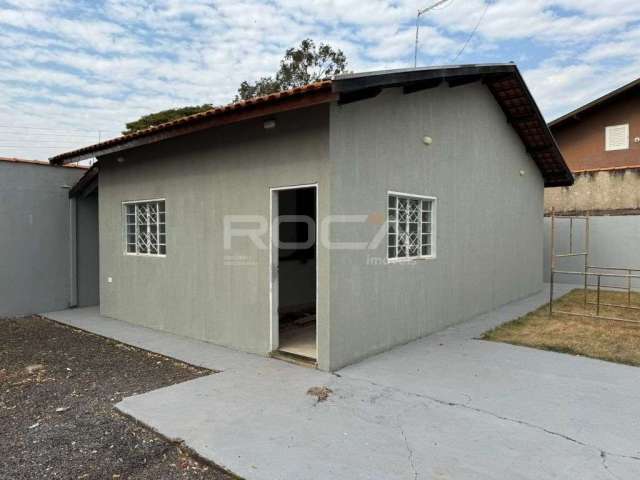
x=473, y=32
x=45, y=135
x=36, y=146
x=28, y=127
x=37, y=138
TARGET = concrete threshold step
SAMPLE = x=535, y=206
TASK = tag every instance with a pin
x=295, y=359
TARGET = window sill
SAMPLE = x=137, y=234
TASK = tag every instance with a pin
x=410, y=259
x=146, y=255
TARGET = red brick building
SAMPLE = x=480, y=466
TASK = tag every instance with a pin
x=601, y=145
x=604, y=133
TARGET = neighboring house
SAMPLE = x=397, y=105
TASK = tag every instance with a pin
x=426, y=187
x=39, y=225
x=601, y=144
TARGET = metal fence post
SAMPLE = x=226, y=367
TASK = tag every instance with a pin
x=570, y=234
x=552, y=260
x=586, y=260
x=551, y=295
x=598, y=298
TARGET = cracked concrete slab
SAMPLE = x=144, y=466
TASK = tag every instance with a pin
x=445, y=407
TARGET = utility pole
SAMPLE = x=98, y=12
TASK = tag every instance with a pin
x=420, y=13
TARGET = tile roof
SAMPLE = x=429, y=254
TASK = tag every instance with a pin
x=503, y=80
x=257, y=102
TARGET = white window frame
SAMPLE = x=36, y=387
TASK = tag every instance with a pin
x=434, y=209
x=124, y=228
x=607, y=137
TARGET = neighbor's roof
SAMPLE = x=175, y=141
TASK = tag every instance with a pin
x=599, y=102
x=503, y=80
x=36, y=162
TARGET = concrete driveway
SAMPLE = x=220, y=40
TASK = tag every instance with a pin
x=444, y=407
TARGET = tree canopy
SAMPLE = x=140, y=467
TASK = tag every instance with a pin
x=300, y=65
x=164, y=116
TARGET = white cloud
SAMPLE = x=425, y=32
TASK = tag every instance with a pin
x=82, y=67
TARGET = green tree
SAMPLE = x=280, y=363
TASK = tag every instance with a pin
x=164, y=116
x=300, y=66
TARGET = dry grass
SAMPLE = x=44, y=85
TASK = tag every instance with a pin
x=603, y=339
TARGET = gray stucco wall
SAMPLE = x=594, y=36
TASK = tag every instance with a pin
x=87, y=250
x=230, y=170
x=613, y=242
x=34, y=244
x=489, y=217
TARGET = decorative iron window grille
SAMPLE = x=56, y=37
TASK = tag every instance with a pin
x=145, y=228
x=411, y=227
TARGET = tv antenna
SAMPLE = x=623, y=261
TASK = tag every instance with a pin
x=420, y=13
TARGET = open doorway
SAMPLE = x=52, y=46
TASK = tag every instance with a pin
x=293, y=271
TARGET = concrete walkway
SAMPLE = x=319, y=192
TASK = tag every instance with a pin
x=444, y=407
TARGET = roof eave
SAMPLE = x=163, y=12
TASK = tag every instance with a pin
x=501, y=79
x=199, y=122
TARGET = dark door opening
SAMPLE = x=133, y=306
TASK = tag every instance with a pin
x=295, y=254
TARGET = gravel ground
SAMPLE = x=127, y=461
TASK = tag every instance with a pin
x=58, y=386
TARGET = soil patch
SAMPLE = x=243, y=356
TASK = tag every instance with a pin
x=58, y=386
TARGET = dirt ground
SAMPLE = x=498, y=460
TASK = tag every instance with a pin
x=603, y=339
x=57, y=390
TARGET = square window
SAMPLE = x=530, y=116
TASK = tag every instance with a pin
x=145, y=228
x=410, y=226
x=617, y=137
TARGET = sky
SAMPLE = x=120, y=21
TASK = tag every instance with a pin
x=74, y=72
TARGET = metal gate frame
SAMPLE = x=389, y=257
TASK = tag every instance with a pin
x=590, y=271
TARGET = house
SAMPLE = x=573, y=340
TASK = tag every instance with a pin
x=45, y=236
x=601, y=144
x=404, y=201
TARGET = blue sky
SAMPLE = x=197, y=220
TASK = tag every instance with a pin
x=74, y=72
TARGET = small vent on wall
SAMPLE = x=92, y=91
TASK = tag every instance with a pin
x=617, y=137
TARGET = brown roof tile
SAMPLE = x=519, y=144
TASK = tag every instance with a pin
x=199, y=117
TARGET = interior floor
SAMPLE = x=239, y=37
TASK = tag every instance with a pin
x=299, y=340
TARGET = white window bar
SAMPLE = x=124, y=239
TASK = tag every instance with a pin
x=411, y=227
x=145, y=228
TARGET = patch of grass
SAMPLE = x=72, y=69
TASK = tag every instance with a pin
x=608, y=340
